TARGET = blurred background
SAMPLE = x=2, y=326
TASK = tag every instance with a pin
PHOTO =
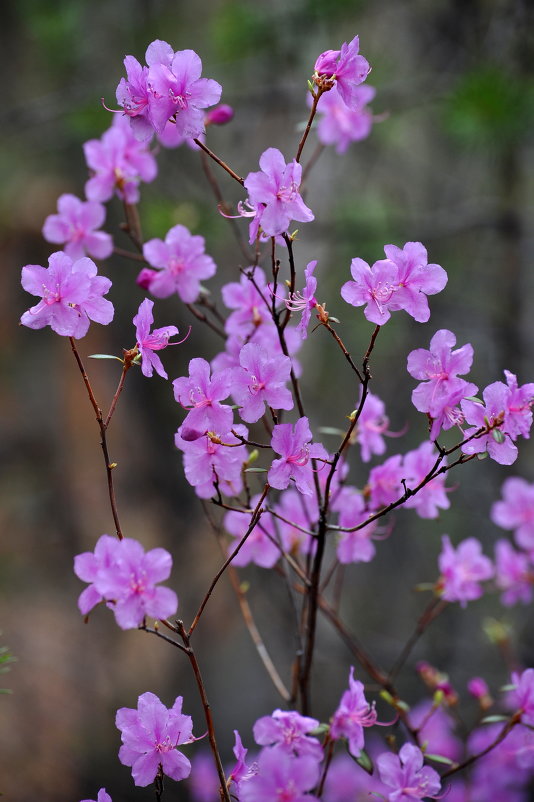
x=449, y=164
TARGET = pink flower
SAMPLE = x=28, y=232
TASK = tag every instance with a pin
x=148, y=342
x=290, y=506
x=304, y=301
x=512, y=574
x=287, y=731
x=497, y=442
x=516, y=511
x=372, y=424
x=374, y=286
x=407, y=775
x=181, y=264
x=124, y=576
x=259, y=381
x=75, y=225
x=179, y=93
x=119, y=163
x=385, y=482
x=150, y=734
x=354, y=547
x=462, y=570
x=522, y=696
x=433, y=495
x=71, y=295
x=346, y=67
x=274, y=194
x=220, y=115
x=248, y=298
x=441, y=389
x=353, y=714
x=201, y=395
x=260, y=546
x=340, y=125
x=208, y=463
x=281, y=778
x=416, y=279
x=294, y=445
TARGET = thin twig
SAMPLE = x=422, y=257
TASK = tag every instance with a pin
x=220, y=162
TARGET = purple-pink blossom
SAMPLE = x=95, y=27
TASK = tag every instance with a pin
x=103, y=796
x=357, y=546
x=281, y=778
x=260, y=381
x=302, y=516
x=248, y=297
x=260, y=547
x=433, y=495
x=513, y=574
x=122, y=574
x=440, y=389
x=304, y=301
x=372, y=424
x=294, y=445
x=374, y=286
x=180, y=262
x=352, y=715
x=118, y=162
x=462, y=570
x=416, y=279
x=407, y=775
x=72, y=295
x=287, y=731
x=516, y=511
x=75, y=226
x=346, y=67
x=489, y=416
x=148, y=341
x=338, y=125
x=385, y=482
x=150, y=734
x=274, y=194
x=209, y=463
x=201, y=394
x=522, y=696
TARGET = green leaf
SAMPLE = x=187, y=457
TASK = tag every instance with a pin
x=440, y=759
x=493, y=719
x=498, y=436
x=365, y=762
x=331, y=430
x=256, y=470
x=104, y=356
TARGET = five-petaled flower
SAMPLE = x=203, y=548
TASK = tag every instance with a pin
x=75, y=225
x=352, y=715
x=150, y=734
x=294, y=445
x=150, y=341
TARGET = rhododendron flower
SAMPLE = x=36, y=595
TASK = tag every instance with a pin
x=346, y=67
x=179, y=93
x=441, y=389
x=119, y=163
x=374, y=286
x=416, y=279
x=71, y=295
x=274, y=194
x=522, y=697
x=148, y=342
x=75, y=226
x=353, y=714
x=281, y=778
x=513, y=574
x=498, y=775
x=294, y=445
x=435, y=727
x=150, y=734
x=516, y=511
x=372, y=424
x=260, y=547
x=385, y=482
x=433, y=495
x=497, y=442
x=102, y=797
x=340, y=125
x=181, y=264
x=203, y=782
x=346, y=780
x=304, y=301
x=201, y=395
x=407, y=775
x=125, y=577
x=208, y=463
x=518, y=412
x=291, y=508
x=462, y=570
x=354, y=547
x=287, y=731
x=259, y=381
x=248, y=298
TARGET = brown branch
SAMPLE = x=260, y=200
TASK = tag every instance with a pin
x=220, y=162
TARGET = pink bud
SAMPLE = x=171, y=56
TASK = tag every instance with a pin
x=145, y=277
x=478, y=687
x=220, y=115
x=327, y=62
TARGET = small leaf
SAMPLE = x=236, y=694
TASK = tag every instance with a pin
x=498, y=436
x=493, y=719
x=474, y=399
x=331, y=430
x=440, y=759
x=482, y=455
x=105, y=356
x=365, y=762
x=256, y=470
x=322, y=729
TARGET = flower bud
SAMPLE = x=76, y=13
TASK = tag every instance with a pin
x=220, y=115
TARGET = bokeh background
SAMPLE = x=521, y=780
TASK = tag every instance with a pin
x=450, y=164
